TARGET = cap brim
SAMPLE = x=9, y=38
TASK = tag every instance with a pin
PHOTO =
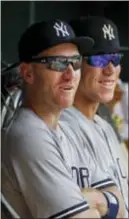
x=85, y=44
x=124, y=48
x=107, y=50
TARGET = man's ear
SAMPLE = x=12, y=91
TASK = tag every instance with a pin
x=26, y=72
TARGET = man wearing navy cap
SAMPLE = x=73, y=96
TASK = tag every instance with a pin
x=100, y=72
x=39, y=163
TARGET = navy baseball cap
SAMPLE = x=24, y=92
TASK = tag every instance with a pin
x=102, y=30
x=43, y=35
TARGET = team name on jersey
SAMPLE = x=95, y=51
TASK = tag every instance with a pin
x=81, y=176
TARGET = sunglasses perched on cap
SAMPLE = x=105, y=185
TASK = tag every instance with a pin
x=103, y=60
x=59, y=63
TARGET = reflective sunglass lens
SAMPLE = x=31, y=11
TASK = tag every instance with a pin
x=102, y=61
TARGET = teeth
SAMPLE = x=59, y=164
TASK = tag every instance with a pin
x=107, y=83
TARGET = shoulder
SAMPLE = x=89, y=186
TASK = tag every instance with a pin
x=27, y=134
x=24, y=122
x=71, y=131
x=68, y=115
x=73, y=116
x=106, y=126
x=102, y=121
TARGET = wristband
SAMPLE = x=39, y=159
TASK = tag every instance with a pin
x=113, y=205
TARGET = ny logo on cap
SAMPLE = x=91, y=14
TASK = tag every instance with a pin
x=108, y=32
x=61, y=29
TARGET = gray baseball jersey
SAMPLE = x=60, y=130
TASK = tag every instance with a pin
x=46, y=169
x=102, y=143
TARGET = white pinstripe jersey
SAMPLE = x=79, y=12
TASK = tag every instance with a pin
x=102, y=143
x=46, y=169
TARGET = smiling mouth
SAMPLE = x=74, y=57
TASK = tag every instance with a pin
x=67, y=88
x=107, y=84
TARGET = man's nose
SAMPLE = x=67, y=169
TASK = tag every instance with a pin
x=69, y=73
x=109, y=69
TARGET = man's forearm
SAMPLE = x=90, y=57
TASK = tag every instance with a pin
x=116, y=192
x=97, y=200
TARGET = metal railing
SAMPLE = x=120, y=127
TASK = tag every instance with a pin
x=7, y=209
x=10, y=101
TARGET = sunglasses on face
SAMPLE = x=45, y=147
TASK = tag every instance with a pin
x=102, y=61
x=60, y=63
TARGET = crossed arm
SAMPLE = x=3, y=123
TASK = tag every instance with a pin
x=49, y=187
x=97, y=200
x=98, y=204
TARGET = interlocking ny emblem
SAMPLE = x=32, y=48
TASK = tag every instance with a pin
x=61, y=29
x=108, y=32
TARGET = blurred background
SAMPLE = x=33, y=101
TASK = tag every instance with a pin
x=16, y=16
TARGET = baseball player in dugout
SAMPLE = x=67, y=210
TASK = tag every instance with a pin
x=45, y=172
x=100, y=71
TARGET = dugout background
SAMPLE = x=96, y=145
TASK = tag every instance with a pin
x=18, y=15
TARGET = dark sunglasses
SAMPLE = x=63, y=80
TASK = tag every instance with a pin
x=103, y=60
x=60, y=63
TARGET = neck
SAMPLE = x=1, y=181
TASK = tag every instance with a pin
x=48, y=114
x=86, y=106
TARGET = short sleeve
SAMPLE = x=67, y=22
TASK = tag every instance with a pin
x=101, y=179
x=44, y=178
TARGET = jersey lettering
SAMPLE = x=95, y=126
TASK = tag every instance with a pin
x=81, y=175
x=120, y=168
